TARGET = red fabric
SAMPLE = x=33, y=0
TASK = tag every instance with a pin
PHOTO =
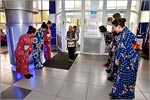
x=2, y=38
x=22, y=60
x=47, y=48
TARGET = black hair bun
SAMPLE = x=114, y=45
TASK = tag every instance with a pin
x=30, y=27
x=123, y=20
x=44, y=25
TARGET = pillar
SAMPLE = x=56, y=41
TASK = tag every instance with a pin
x=19, y=15
x=52, y=12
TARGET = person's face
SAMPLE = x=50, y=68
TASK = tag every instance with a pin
x=44, y=29
x=33, y=34
x=70, y=28
x=49, y=25
x=117, y=29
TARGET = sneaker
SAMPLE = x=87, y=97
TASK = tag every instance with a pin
x=39, y=68
x=108, y=70
x=106, y=65
x=111, y=97
x=27, y=76
x=111, y=78
x=31, y=75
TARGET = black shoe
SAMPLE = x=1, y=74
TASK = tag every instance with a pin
x=27, y=76
x=107, y=64
x=110, y=94
x=39, y=68
x=111, y=78
x=111, y=97
x=31, y=75
x=108, y=70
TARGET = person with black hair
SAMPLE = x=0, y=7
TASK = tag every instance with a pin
x=37, y=48
x=116, y=16
x=23, y=50
x=47, y=41
x=127, y=60
x=108, y=39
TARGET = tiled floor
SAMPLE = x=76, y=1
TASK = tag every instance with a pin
x=86, y=80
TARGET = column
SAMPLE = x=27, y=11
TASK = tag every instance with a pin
x=52, y=12
x=19, y=15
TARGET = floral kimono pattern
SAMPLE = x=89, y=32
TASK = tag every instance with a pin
x=22, y=52
x=37, y=51
x=125, y=79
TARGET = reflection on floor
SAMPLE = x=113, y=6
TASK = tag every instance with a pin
x=86, y=80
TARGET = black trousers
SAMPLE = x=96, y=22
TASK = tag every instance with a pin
x=71, y=51
x=3, y=43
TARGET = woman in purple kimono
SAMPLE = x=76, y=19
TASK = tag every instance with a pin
x=127, y=60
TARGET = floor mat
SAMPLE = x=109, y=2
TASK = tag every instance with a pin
x=60, y=60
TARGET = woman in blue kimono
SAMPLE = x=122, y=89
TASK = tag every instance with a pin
x=37, y=48
x=127, y=60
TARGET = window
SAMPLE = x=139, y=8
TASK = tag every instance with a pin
x=2, y=26
x=133, y=22
x=78, y=4
x=58, y=24
x=45, y=4
x=37, y=18
x=87, y=5
x=111, y=4
x=73, y=18
x=117, y=4
x=39, y=4
x=58, y=7
x=145, y=16
x=2, y=17
x=0, y=3
x=135, y=5
x=45, y=16
x=69, y=4
x=93, y=4
x=100, y=4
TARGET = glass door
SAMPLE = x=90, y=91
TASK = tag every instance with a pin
x=74, y=19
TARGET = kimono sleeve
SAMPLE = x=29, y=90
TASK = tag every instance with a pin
x=42, y=37
x=20, y=47
x=133, y=38
x=122, y=48
x=45, y=38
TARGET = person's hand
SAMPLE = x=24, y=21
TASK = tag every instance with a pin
x=117, y=62
x=113, y=49
x=38, y=46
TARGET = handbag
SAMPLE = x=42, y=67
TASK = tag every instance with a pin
x=71, y=44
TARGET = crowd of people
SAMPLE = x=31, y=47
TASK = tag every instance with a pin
x=35, y=41
x=122, y=63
